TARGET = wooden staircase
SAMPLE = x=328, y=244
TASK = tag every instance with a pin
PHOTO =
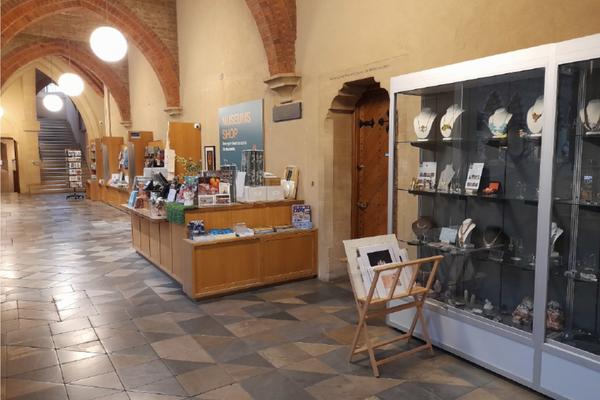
x=55, y=136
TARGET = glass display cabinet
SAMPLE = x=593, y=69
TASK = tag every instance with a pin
x=496, y=166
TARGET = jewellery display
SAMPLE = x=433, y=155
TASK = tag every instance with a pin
x=498, y=123
x=488, y=308
x=492, y=236
x=535, y=122
x=449, y=119
x=421, y=226
x=590, y=117
x=474, y=178
x=464, y=231
x=423, y=123
x=555, y=233
x=523, y=314
x=446, y=178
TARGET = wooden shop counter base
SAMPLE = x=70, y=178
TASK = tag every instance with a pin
x=219, y=267
x=224, y=266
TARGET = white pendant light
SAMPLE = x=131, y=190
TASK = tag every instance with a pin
x=108, y=44
x=52, y=103
x=70, y=84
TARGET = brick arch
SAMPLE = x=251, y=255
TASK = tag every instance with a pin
x=82, y=58
x=19, y=14
x=276, y=23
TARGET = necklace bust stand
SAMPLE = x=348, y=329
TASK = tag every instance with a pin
x=555, y=233
x=535, y=122
x=464, y=233
x=498, y=123
x=590, y=117
x=449, y=119
x=446, y=178
x=423, y=123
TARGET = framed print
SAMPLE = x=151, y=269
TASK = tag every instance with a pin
x=210, y=158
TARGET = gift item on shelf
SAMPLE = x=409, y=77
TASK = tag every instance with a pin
x=555, y=233
x=587, y=189
x=253, y=164
x=196, y=229
x=422, y=226
x=220, y=234
x=262, y=230
x=222, y=199
x=535, y=122
x=241, y=230
x=590, y=117
x=206, y=199
x=229, y=176
x=493, y=237
x=523, y=314
x=157, y=205
x=423, y=123
x=302, y=216
x=254, y=194
x=488, y=308
x=464, y=232
x=209, y=184
x=474, y=178
x=555, y=317
x=498, y=123
x=492, y=188
x=446, y=179
x=427, y=176
x=449, y=119
x=290, y=182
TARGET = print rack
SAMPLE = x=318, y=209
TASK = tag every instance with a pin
x=74, y=175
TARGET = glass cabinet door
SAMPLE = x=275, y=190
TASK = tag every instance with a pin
x=572, y=314
x=467, y=172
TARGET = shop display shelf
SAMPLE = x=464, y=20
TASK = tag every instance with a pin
x=589, y=206
x=472, y=196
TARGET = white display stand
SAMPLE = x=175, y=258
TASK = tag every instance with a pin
x=74, y=173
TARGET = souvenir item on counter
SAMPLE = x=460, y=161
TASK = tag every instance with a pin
x=492, y=237
x=172, y=195
x=253, y=163
x=302, y=216
x=229, y=176
x=132, y=198
x=195, y=229
x=423, y=123
x=157, y=206
x=241, y=230
x=208, y=185
x=535, y=122
x=421, y=226
x=474, y=178
x=446, y=178
x=555, y=317
x=498, y=123
x=222, y=199
x=523, y=314
x=590, y=117
x=488, y=307
x=449, y=119
x=464, y=232
x=492, y=188
x=427, y=175
x=206, y=199
x=555, y=233
x=188, y=198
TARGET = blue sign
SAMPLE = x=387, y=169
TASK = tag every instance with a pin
x=240, y=128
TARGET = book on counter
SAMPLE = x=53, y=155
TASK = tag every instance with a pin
x=301, y=216
x=284, y=228
x=261, y=230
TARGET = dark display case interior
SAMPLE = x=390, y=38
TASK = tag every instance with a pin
x=576, y=207
x=476, y=185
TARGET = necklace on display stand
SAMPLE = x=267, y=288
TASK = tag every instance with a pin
x=464, y=231
x=535, y=122
x=423, y=122
x=590, y=117
x=448, y=120
x=498, y=123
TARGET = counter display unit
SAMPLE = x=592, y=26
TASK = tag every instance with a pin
x=223, y=266
x=495, y=166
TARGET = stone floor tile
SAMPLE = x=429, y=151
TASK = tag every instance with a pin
x=88, y=393
x=274, y=386
x=230, y=392
x=86, y=368
x=143, y=374
x=182, y=348
x=205, y=379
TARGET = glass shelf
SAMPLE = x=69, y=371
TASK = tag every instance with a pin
x=470, y=196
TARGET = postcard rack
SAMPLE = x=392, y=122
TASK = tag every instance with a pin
x=402, y=288
x=74, y=173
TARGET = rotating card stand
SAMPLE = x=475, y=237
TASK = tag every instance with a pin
x=410, y=296
x=74, y=173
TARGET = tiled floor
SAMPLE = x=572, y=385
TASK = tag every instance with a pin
x=85, y=317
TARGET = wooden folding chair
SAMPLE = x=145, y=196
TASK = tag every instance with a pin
x=413, y=296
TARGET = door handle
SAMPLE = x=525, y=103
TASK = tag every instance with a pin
x=362, y=205
x=360, y=167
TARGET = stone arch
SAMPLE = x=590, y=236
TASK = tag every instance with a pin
x=19, y=14
x=276, y=23
x=84, y=60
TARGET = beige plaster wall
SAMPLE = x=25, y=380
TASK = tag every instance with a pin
x=222, y=62
x=20, y=123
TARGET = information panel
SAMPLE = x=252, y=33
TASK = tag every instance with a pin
x=240, y=128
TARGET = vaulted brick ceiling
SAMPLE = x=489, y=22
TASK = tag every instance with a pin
x=36, y=28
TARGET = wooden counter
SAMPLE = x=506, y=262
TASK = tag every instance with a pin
x=219, y=267
x=112, y=195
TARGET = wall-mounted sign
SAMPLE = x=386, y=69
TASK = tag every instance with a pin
x=240, y=128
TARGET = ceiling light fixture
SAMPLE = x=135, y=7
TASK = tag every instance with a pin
x=53, y=102
x=108, y=44
x=71, y=84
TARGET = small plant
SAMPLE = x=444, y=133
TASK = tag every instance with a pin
x=191, y=167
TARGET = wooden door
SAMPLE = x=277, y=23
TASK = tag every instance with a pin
x=370, y=165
